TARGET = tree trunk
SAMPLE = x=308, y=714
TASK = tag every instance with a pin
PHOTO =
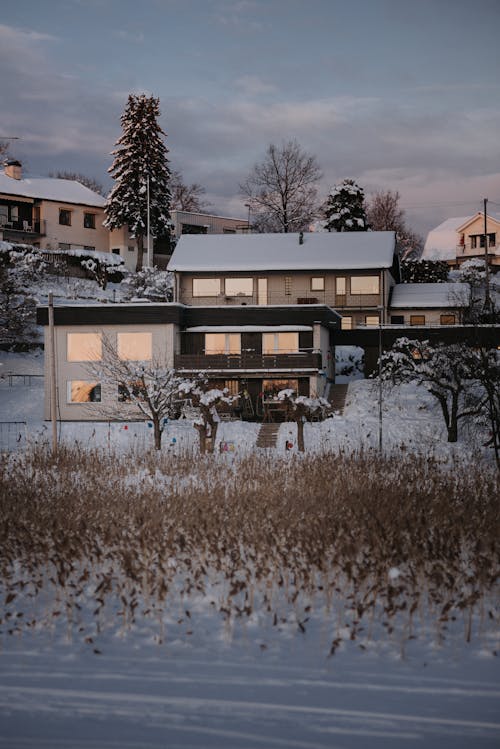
x=140, y=252
x=203, y=437
x=300, y=434
x=157, y=433
x=453, y=421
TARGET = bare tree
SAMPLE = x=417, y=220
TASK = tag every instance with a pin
x=186, y=197
x=281, y=190
x=304, y=409
x=4, y=149
x=384, y=214
x=150, y=389
x=89, y=182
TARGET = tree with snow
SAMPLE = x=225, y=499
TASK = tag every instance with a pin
x=281, y=190
x=20, y=267
x=424, y=271
x=149, y=283
x=384, y=214
x=302, y=409
x=140, y=167
x=150, y=388
x=443, y=369
x=206, y=400
x=345, y=208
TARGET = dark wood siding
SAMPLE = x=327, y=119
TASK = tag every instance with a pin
x=193, y=343
x=251, y=342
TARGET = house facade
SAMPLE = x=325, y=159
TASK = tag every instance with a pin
x=420, y=304
x=463, y=238
x=252, y=352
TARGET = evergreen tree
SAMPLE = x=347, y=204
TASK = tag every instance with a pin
x=141, y=153
x=345, y=208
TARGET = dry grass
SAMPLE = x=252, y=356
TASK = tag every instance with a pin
x=93, y=540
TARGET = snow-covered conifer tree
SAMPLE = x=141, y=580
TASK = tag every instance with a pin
x=141, y=153
x=345, y=208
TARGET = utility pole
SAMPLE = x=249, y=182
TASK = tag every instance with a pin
x=52, y=369
x=487, y=298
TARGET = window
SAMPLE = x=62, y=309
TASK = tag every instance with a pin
x=89, y=220
x=84, y=347
x=239, y=286
x=222, y=343
x=135, y=346
x=288, y=285
x=82, y=391
x=477, y=240
x=317, y=283
x=271, y=388
x=262, y=291
x=193, y=229
x=115, y=250
x=14, y=213
x=64, y=217
x=131, y=248
x=372, y=320
x=64, y=246
x=88, y=248
x=365, y=285
x=280, y=343
x=397, y=319
x=417, y=319
x=4, y=214
x=206, y=286
x=228, y=231
x=346, y=323
x=340, y=286
x=447, y=319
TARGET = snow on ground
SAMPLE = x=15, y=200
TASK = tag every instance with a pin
x=253, y=685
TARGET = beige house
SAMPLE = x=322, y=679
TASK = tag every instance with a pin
x=351, y=272
x=419, y=304
x=463, y=238
x=189, y=222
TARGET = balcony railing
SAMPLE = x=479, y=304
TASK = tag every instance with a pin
x=299, y=296
x=24, y=227
x=247, y=361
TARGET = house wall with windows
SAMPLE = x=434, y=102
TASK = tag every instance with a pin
x=459, y=239
x=69, y=226
x=420, y=304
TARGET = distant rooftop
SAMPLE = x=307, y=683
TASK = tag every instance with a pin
x=430, y=295
x=267, y=252
x=51, y=188
x=441, y=242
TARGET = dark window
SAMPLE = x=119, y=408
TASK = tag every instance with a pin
x=89, y=220
x=193, y=229
x=89, y=248
x=115, y=250
x=64, y=217
x=397, y=319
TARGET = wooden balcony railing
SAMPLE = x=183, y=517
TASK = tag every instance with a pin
x=300, y=360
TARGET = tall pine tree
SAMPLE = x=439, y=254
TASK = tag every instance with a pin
x=345, y=208
x=141, y=153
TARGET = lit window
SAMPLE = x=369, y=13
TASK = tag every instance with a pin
x=280, y=343
x=89, y=220
x=64, y=217
x=84, y=346
x=364, y=285
x=448, y=320
x=239, y=286
x=317, y=283
x=206, y=286
x=417, y=319
x=346, y=323
x=222, y=343
x=135, y=346
x=82, y=391
x=371, y=320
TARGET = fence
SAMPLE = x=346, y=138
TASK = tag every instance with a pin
x=13, y=435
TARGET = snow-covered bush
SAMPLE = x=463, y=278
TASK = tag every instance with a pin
x=149, y=283
x=424, y=271
x=302, y=409
x=206, y=400
x=345, y=208
x=20, y=267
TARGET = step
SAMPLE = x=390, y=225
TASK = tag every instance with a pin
x=268, y=434
x=337, y=397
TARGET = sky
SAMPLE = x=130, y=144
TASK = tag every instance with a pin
x=396, y=94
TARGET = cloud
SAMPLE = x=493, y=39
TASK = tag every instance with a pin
x=136, y=37
x=252, y=85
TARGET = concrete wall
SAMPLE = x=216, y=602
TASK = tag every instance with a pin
x=164, y=341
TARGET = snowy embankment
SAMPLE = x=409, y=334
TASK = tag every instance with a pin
x=136, y=614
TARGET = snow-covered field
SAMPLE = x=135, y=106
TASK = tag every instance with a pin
x=254, y=683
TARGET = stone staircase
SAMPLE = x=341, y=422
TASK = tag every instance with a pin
x=337, y=397
x=267, y=435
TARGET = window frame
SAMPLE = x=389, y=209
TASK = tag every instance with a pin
x=66, y=212
x=89, y=335
x=96, y=385
x=276, y=350
x=89, y=220
x=452, y=318
x=228, y=340
x=122, y=346
x=355, y=279
x=315, y=286
x=235, y=279
x=414, y=318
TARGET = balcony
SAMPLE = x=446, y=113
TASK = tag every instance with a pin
x=247, y=361
x=31, y=228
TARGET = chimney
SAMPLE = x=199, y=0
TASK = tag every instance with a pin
x=13, y=169
x=301, y=237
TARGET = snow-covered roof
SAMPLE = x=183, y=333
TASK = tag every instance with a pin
x=441, y=242
x=51, y=188
x=266, y=252
x=430, y=295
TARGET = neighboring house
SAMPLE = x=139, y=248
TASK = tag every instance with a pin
x=463, y=238
x=418, y=304
x=351, y=272
x=254, y=352
x=57, y=214
x=189, y=222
